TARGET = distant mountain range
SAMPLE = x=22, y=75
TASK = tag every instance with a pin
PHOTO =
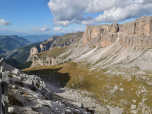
x=37, y=38
x=8, y=43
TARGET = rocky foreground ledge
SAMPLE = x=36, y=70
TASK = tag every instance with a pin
x=28, y=94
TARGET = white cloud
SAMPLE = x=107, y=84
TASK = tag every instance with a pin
x=45, y=28
x=101, y=5
x=3, y=29
x=146, y=1
x=57, y=28
x=63, y=23
x=4, y=22
x=62, y=31
x=79, y=30
x=67, y=12
x=37, y=29
x=119, y=14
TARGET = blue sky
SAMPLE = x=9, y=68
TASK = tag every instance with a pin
x=28, y=17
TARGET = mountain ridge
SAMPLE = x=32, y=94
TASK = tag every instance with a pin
x=37, y=38
x=102, y=46
x=137, y=33
x=62, y=41
x=8, y=43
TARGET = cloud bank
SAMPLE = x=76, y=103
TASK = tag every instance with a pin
x=4, y=22
x=67, y=12
x=45, y=28
x=57, y=28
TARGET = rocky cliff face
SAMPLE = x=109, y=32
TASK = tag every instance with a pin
x=47, y=61
x=42, y=47
x=137, y=33
x=35, y=50
x=56, y=41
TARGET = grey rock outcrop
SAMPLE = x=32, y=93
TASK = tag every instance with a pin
x=28, y=94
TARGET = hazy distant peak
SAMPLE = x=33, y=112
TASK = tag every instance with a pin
x=52, y=38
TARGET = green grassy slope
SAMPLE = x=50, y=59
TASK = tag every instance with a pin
x=12, y=62
x=15, y=63
x=23, y=41
x=8, y=43
x=24, y=65
x=2, y=51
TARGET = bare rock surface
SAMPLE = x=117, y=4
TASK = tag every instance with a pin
x=136, y=33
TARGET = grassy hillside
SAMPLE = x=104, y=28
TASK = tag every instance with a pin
x=12, y=62
x=22, y=40
x=69, y=37
x=23, y=53
x=112, y=90
x=2, y=51
x=24, y=65
x=8, y=43
x=54, y=52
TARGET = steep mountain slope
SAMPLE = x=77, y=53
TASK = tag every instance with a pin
x=12, y=62
x=2, y=51
x=22, y=54
x=113, y=62
x=22, y=40
x=8, y=43
x=62, y=41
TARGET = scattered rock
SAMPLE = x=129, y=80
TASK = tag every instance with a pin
x=134, y=101
x=116, y=87
x=130, y=80
x=10, y=109
x=133, y=106
x=121, y=89
x=15, y=71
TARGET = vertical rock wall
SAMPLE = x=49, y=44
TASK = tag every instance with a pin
x=137, y=33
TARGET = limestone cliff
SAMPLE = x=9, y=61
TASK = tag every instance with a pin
x=46, y=61
x=42, y=47
x=137, y=33
x=55, y=41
